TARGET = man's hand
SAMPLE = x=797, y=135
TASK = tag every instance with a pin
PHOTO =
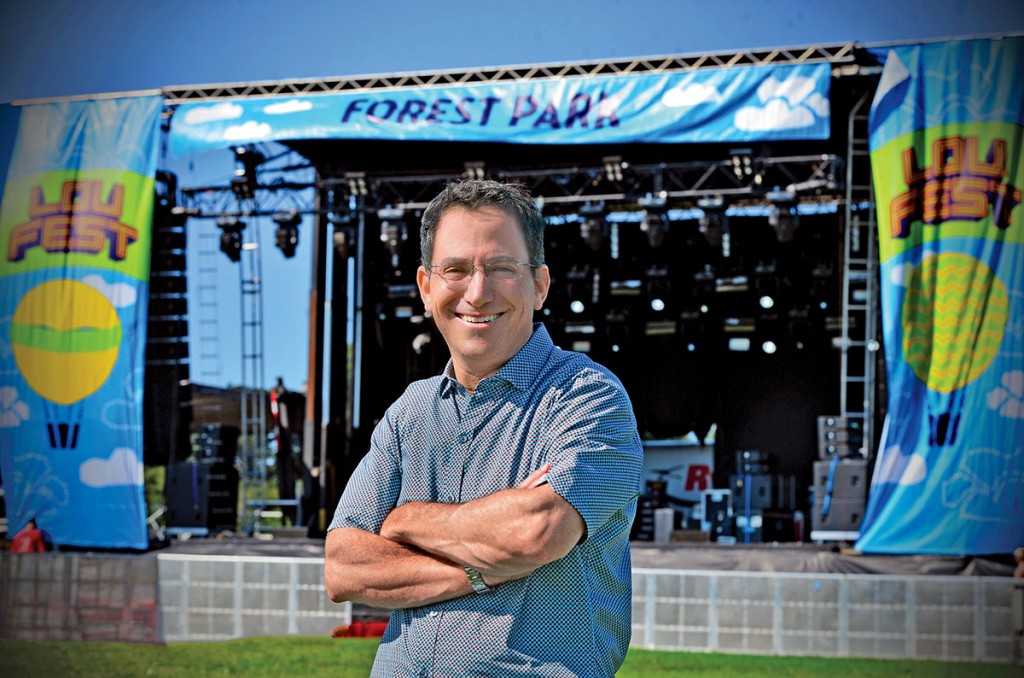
x=505, y=535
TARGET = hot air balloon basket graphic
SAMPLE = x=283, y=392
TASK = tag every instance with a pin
x=65, y=336
x=953, y=319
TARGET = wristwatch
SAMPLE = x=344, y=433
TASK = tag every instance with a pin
x=477, y=580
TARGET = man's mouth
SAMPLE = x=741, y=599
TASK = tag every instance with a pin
x=474, y=319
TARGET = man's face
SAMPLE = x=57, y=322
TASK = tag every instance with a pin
x=484, y=319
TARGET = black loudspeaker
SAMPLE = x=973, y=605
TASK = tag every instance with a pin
x=166, y=412
x=643, y=523
x=216, y=444
x=202, y=496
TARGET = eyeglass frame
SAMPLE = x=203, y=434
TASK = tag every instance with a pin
x=484, y=268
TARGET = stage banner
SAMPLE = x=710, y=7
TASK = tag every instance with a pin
x=947, y=145
x=75, y=232
x=736, y=104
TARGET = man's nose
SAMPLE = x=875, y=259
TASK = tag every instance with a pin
x=478, y=287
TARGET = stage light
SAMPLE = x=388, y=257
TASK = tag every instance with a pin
x=653, y=225
x=744, y=166
x=356, y=182
x=769, y=347
x=613, y=166
x=714, y=223
x=244, y=182
x=474, y=170
x=576, y=306
x=782, y=214
x=287, y=233
x=739, y=343
x=766, y=302
x=231, y=237
x=657, y=305
x=593, y=233
x=393, y=231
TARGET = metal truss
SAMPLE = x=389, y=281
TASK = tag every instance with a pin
x=841, y=55
x=619, y=185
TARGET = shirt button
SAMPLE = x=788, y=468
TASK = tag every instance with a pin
x=463, y=437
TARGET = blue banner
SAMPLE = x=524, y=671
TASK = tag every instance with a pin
x=737, y=104
x=75, y=232
x=947, y=154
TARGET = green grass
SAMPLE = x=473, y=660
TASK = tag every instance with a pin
x=352, y=657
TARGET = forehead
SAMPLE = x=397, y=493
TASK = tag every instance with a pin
x=462, y=229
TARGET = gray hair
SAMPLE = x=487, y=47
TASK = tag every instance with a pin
x=511, y=198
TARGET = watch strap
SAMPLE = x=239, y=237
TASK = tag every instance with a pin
x=476, y=580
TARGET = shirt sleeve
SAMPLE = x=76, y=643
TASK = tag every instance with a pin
x=372, y=490
x=597, y=455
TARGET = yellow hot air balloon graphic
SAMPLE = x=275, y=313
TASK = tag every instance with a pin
x=954, y=317
x=66, y=336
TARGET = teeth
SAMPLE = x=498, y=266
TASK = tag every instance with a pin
x=480, y=319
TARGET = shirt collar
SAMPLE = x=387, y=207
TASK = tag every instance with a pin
x=520, y=370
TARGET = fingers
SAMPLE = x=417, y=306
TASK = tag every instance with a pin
x=535, y=479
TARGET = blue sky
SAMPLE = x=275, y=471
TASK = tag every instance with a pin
x=53, y=48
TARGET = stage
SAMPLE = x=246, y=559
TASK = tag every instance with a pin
x=705, y=556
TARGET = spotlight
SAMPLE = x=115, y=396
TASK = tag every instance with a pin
x=231, y=237
x=714, y=224
x=593, y=233
x=769, y=347
x=766, y=302
x=613, y=166
x=473, y=170
x=356, y=182
x=287, y=234
x=244, y=182
x=782, y=215
x=654, y=226
x=576, y=306
x=393, y=231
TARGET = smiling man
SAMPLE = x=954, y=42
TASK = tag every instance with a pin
x=493, y=509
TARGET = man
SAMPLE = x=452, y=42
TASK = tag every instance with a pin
x=29, y=539
x=493, y=509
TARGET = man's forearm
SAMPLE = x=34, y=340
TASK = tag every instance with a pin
x=365, y=568
x=506, y=534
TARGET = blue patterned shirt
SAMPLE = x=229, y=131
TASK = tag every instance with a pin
x=437, y=443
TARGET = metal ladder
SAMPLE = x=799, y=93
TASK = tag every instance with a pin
x=252, y=444
x=858, y=342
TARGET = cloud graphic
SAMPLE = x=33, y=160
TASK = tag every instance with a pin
x=122, y=468
x=120, y=295
x=794, y=90
x=691, y=95
x=890, y=465
x=290, y=106
x=1008, y=398
x=817, y=103
x=915, y=472
x=12, y=410
x=776, y=115
x=247, y=131
x=222, y=111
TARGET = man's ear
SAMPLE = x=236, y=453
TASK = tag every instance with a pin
x=423, y=283
x=541, y=286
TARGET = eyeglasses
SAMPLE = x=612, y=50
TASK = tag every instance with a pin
x=461, y=270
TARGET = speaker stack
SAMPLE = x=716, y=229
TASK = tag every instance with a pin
x=840, y=481
x=202, y=495
x=764, y=501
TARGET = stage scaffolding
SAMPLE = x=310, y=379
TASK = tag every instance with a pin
x=839, y=178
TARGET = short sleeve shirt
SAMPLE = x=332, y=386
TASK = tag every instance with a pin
x=438, y=443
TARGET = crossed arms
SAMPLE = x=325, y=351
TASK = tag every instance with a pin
x=417, y=558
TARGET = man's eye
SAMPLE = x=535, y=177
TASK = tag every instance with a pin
x=503, y=269
x=455, y=269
